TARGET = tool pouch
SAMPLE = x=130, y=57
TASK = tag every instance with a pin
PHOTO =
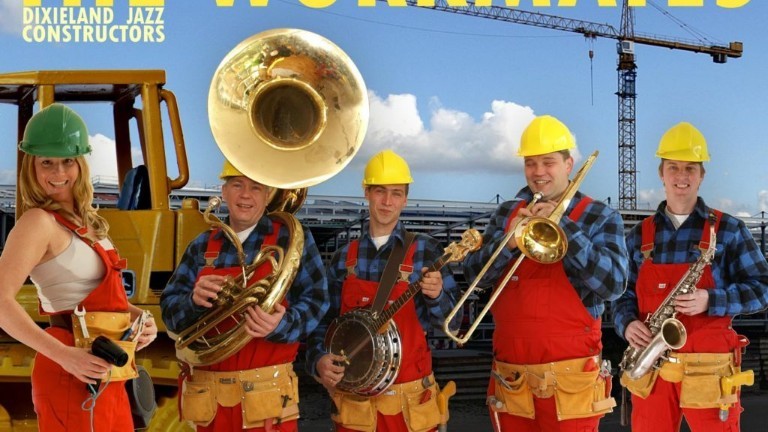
x=113, y=326
x=642, y=386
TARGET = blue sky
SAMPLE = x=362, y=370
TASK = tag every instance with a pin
x=452, y=93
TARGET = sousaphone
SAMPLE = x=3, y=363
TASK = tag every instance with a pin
x=288, y=109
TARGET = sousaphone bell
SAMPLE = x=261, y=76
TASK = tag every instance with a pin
x=288, y=109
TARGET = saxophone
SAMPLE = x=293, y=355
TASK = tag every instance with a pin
x=667, y=331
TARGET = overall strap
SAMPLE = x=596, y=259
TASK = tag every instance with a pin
x=648, y=232
x=351, y=261
x=714, y=215
x=579, y=209
x=391, y=273
x=215, y=240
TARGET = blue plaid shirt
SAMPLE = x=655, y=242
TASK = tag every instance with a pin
x=596, y=260
x=370, y=266
x=307, y=297
x=738, y=268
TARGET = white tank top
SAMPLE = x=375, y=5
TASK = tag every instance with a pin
x=66, y=280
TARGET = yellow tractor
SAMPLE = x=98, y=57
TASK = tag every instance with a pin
x=146, y=229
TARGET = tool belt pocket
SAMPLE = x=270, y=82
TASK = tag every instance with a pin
x=422, y=413
x=354, y=412
x=700, y=387
x=270, y=399
x=642, y=386
x=581, y=394
x=516, y=395
x=113, y=326
x=198, y=403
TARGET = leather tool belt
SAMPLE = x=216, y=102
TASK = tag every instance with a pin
x=112, y=325
x=578, y=393
x=267, y=394
x=699, y=375
x=416, y=400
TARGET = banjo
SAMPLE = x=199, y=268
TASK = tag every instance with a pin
x=371, y=343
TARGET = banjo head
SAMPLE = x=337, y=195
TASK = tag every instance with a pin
x=373, y=358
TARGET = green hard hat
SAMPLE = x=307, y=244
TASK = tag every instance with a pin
x=55, y=131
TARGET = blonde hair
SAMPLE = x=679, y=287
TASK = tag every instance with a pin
x=33, y=196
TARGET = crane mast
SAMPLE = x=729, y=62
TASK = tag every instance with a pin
x=626, y=67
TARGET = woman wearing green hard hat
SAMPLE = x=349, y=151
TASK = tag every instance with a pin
x=61, y=243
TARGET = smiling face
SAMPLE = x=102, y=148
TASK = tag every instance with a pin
x=57, y=177
x=385, y=203
x=548, y=174
x=681, y=182
x=247, y=201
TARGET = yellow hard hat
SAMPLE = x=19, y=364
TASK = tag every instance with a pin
x=683, y=142
x=545, y=134
x=229, y=170
x=387, y=167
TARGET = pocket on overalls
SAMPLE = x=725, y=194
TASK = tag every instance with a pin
x=422, y=411
x=516, y=396
x=576, y=393
x=198, y=403
x=642, y=386
x=700, y=387
x=354, y=412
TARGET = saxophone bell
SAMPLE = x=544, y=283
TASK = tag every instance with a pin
x=672, y=336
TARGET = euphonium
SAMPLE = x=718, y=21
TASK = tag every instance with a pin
x=221, y=332
x=667, y=331
x=288, y=109
x=538, y=238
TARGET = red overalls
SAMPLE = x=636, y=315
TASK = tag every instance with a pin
x=660, y=411
x=58, y=395
x=416, y=357
x=539, y=318
x=259, y=352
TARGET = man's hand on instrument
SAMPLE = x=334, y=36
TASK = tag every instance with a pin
x=330, y=370
x=543, y=208
x=638, y=334
x=693, y=303
x=259, y=323
x=431, y=283
x=521, y=215
x=206, y=289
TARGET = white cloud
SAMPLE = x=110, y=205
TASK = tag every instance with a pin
x=102, y=160
x=649, y=199
x=11, y=16
x=762, y=200
x=452, y=141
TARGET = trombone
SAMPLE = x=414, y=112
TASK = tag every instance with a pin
x=538, y=238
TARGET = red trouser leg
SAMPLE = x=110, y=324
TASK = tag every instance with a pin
x=545, y=421
x=708, y=419
x=58, y=397
x=660, y=411
x=231, y=419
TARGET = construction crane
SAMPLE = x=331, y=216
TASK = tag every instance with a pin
x=626, y=67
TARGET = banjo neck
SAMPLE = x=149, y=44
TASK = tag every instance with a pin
x=413, y=288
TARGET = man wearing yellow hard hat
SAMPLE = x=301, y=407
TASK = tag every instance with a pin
x=371, y=272
x=547, y=372
x=254, y=389
x=688, y=244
